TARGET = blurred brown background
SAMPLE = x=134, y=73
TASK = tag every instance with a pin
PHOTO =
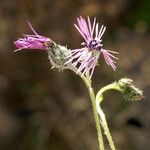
x=43, y=109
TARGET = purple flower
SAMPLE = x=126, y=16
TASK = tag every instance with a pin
x=57, y=54
x=34, y=41
x=86, y=58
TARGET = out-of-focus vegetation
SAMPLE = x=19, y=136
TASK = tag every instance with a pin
x=43, y=109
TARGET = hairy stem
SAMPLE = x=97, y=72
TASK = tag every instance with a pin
x=87, y=81
x=99, y=99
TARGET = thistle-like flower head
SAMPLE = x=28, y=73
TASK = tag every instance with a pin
x=34, y=41
x=87, y=57
x=91, y=33
x=57, y=54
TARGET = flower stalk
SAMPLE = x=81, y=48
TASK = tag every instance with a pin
x=87, y=82
x=104, y=123
x=129, y=91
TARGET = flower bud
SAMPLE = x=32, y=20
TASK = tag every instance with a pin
x=130, y=92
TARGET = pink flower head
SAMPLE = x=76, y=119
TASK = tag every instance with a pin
x=87, y=57
x=34, y=41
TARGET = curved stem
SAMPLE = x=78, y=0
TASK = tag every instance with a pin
x=99, y=96
x=105, y=127
x=99, y=99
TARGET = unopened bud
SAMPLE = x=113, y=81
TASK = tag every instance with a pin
x=130, y=92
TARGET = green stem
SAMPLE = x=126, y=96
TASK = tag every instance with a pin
x=99, y=99
x=106, y=128
x=87, y=81
x=99, y=96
